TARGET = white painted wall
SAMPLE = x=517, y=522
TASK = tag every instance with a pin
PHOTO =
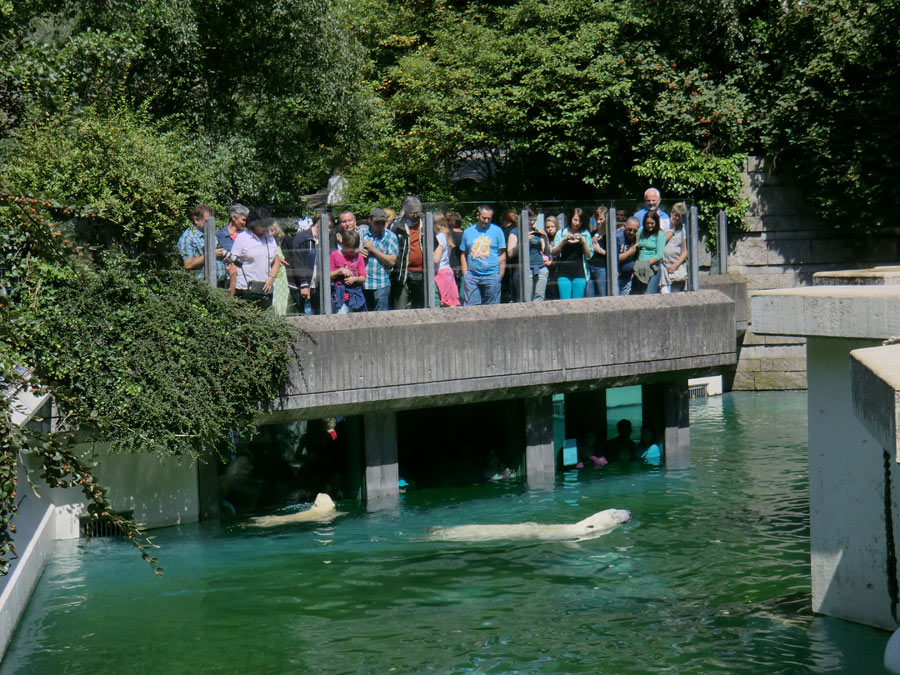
x=162, y=492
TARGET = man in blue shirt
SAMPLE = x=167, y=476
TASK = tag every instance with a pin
x=191, y=246
x=483, y=263
x=651, y=199
x=627, y=246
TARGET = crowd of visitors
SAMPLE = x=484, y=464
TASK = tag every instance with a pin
x=380, y=264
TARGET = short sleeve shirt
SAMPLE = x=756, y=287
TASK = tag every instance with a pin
x=191, y=245
x=482, y=249
x=257, y=254
x=377, y=275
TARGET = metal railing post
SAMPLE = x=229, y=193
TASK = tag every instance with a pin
x=323, y=265
x=694, y=248
x=209, y=251
x=722, y=239
x=523, y=256
x=428, y=255
x=612, y=254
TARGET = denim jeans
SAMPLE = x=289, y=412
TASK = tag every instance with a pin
x=482, y=290
x=596, y=285
x=650, y=288
x=378, y=299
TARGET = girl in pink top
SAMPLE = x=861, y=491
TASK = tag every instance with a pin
x=348, y=274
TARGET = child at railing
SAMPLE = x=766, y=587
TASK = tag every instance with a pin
x=348, y=275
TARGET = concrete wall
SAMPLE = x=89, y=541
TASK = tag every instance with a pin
x=853, y=488
x=161, y=492
x=784, y=244
x=398, y=360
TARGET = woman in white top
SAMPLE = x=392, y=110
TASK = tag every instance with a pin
x=443, y=273
x=257, y=251
x=674, y=270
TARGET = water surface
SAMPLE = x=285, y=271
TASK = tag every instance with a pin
x=711, y=575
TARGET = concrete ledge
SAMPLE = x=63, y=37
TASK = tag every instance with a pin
x=400, y=360
x=852, y=311
x=875, y=391
x=735, y=287
x=24, y=574
x=876, y=276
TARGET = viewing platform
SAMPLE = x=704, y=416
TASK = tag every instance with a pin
x=362, y=363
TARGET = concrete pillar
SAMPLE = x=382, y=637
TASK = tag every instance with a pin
x=586, y=416
x=353, y=456
x=664, y=410
x=540, y=460
x=849, y=542
x=653, y=403
x=382, y=471
x=676, y=419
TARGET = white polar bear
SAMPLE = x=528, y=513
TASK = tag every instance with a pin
x=591, y=527
x=322, y=511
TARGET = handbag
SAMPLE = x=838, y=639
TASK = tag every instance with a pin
x=257, y=287
x=679, y=275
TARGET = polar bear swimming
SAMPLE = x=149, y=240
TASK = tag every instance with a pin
x=602, y=522
x=322, y=511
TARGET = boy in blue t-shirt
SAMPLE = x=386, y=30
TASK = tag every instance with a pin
x=484, y=261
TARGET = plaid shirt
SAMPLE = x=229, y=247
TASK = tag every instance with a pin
x=191, y=245
x=377, y=275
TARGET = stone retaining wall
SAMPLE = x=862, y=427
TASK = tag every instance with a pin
x=784, y=244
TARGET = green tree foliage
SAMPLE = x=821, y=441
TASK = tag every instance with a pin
x=834, y=117
x=275, y=87
x=135, y=351
x=547, y=99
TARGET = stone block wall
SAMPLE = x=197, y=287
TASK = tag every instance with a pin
x=783, y=244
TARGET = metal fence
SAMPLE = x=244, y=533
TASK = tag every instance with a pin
x=530, y=215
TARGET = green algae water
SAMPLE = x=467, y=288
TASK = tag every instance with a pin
x=711, y=575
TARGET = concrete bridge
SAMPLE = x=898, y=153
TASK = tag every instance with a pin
x=374, y=364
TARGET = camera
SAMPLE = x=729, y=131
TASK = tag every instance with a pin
x=229, y=258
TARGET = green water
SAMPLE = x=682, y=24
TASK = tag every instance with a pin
x=711, y=575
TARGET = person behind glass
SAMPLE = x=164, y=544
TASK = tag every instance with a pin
x=538, y=254
x=346, y=223
x=348, y=276
x=673, y=272
x=380, y=248
x=301, y=273
x=408, y=276
x=627, y=247
x=281, y=296
x=596, y=285
x=443, y=273
x=573, y=246
x=651, y=245
x=509, y=223
x=484, y=259
x=225, y=236
x=192, y=246
x=454, y=220
x=551, y=227
x=258, y=252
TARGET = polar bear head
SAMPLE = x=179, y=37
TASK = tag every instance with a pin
x=603, y=522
